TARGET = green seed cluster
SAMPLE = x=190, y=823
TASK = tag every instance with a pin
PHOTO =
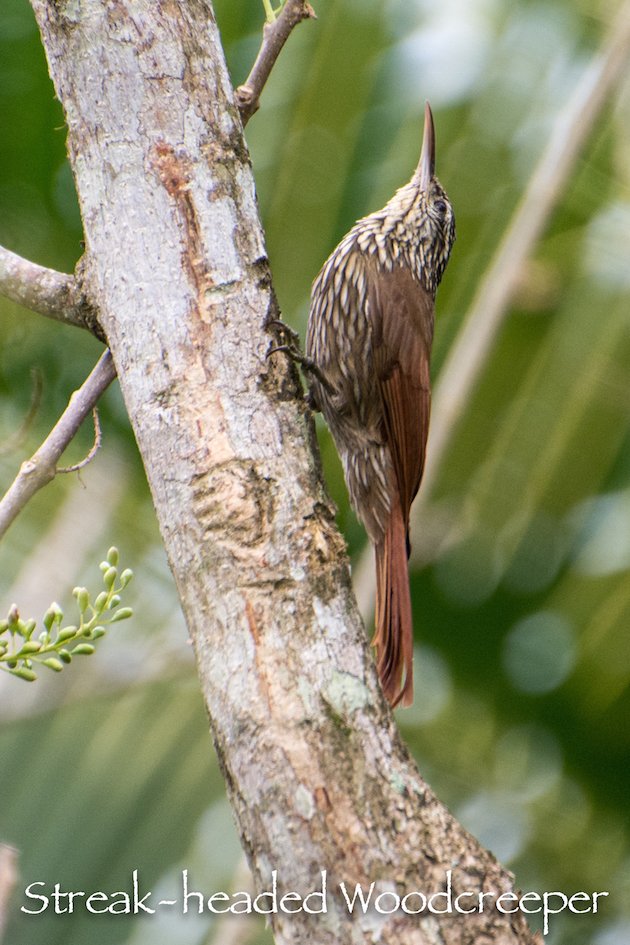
x=22, y=649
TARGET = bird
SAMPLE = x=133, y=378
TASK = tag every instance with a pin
x=368, y=348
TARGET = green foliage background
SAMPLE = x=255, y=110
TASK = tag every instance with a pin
x=521, y=722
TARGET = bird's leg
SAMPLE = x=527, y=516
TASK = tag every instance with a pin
x=292, y=349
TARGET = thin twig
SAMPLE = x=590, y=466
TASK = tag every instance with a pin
x=489, y=307
x=41, y=468
x=45, y=291
x=275, y=35
x=93, y=450
x=8, y=881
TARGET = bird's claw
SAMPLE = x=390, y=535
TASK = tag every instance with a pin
x=292, y=349
x=285, y=329
x=288, y=349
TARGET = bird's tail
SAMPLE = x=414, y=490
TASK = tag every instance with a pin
x=393, y=638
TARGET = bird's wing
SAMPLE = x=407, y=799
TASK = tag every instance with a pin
x=401, y=314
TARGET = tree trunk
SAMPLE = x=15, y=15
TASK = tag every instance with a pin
x=176, y=267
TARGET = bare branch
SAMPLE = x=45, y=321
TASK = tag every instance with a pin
x=489, y=307
x=93, y=449
x=41, y=468
x=54, y=294
x=275, y=35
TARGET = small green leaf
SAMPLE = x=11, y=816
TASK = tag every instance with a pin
x=31, y=646
x=53, y=663
x=101, y=602
x=123, y=614
x=24, y=673
x=109, y=577
x=83, y=649
x=53, y=615
x=83, y=598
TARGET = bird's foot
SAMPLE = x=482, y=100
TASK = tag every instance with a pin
x=292, y=349
x=285, y=331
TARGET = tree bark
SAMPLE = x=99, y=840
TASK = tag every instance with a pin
x=176, y=268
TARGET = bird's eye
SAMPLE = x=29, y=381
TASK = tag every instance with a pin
x=440, y=206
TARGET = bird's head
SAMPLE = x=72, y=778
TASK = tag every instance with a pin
x=436, y=220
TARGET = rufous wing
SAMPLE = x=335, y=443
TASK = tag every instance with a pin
x=401, y=317
x=401, y=313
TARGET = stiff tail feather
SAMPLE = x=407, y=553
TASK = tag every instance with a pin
x=393, y=638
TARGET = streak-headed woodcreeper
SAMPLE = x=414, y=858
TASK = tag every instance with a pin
x=369, y=339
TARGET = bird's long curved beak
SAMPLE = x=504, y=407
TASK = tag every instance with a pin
x=426, y=164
